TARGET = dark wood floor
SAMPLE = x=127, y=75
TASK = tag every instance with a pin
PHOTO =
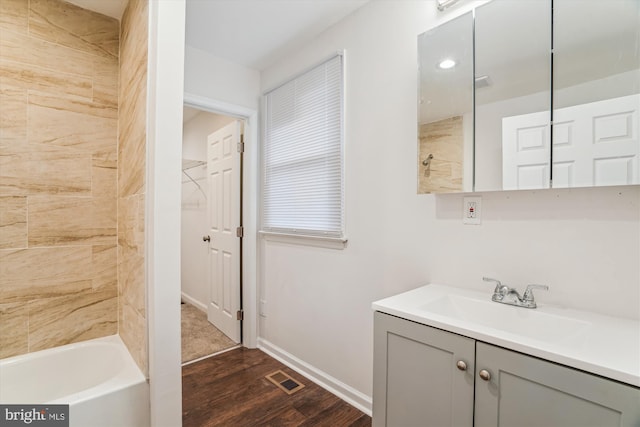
x=231, y=390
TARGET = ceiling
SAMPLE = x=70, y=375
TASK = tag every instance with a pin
x=255, y=33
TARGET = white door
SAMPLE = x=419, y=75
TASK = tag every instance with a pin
x=525, y=151
x=223, y=168
x=597, y=143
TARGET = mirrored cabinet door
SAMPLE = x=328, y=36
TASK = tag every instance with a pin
x=512, y=95
x=596, y=95
x=445, y=110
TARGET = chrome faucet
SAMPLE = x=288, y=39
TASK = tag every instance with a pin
x=506, y=295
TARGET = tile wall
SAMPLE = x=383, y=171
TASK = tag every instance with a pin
x=58, y=175
x=444, y=140
x=131, y=179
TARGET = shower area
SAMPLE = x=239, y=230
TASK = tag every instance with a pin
x=202, y=336
x=72, y=176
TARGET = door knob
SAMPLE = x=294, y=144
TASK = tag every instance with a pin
x=206, y=238
x=485, y=375
x=461, y=365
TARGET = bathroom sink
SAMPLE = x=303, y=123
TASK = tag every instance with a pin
x=603, y=345
x=531, y=323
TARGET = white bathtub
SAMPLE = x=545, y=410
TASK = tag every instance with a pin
x=98, y=379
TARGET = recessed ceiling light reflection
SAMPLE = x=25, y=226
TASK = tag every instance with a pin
x=446, y=64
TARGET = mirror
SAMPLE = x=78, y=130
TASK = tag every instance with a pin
x=512, y=95
x=504, y=140
x=445, y=111
x=596, y=93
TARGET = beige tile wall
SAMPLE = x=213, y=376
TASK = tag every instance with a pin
x=443, y=139
x=131, y=179
x=58, y=175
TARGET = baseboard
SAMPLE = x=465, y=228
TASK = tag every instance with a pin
x=324, y=380
x=193, y=301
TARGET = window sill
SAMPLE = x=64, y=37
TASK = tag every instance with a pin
x=305, y=240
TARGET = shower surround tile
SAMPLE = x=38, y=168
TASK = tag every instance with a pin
x=134, y=334
x=28, y=51
x=14, y=16
x=13, y=222
x=131, y=274
x=131, y=179
x=64, y=221
x=14, y=328
x=59, y=270
x=444, y=140
x=71, y=318
x=104, y=177
x=13, y=120
x=105, y=81
x=60, y=172
x=59, y=77
x=31, y=169
x=74, y=27
x=85, y=126
x=105, y=267
x=17, y=75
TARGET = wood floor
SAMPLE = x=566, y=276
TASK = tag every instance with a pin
x=231, y=390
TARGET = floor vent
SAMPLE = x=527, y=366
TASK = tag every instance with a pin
x=284, y=382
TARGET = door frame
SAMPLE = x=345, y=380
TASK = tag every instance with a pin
x=249, y=177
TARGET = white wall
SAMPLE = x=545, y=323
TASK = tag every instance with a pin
x=194, y=251
x=583, y=243
x=162, y=208
x=221, y=80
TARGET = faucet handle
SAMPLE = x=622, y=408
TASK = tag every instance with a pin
x=528, y=293
x=497, y=282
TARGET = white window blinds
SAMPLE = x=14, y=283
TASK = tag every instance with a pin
x=303, y=191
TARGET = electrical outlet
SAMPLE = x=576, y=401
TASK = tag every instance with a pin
x=263, y=308
x=472, y=210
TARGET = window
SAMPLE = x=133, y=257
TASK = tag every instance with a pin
x=303, y=186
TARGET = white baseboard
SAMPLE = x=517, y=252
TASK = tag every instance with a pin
x=324, y=380
x=193, y=301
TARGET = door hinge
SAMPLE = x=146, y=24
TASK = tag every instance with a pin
x=241, y=144
x=240, y=231
x=240, y=315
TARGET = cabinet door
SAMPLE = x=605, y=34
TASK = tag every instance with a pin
x=526, y=391
x=416, y=381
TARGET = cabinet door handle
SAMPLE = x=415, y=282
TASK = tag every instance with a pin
x=484, y=374
x=206, y=238
x=461, y=365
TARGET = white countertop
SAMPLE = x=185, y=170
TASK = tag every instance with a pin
x=603, y=345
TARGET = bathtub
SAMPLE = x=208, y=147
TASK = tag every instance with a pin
x=98, y=379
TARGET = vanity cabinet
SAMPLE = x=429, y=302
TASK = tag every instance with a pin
x=425, y=376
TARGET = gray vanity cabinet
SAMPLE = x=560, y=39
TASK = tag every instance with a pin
x=417, y=381
x=526, y=391
x=425, y=376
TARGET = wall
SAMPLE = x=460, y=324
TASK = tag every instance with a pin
x=131, y=180
x=194, y=251
x=221, y=80
x=58, y=168
x=162, y=222
x=583, y=243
